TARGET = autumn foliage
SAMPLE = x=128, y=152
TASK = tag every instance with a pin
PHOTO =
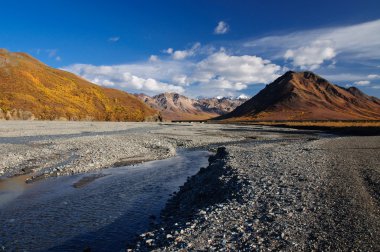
x=50, y=94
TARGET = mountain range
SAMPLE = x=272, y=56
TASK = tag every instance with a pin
x=30, y=89
x=173, y=106
x=306, y=96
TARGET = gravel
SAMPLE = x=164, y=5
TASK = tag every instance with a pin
x=296, y=195
x=265, y=189
x=44, y=149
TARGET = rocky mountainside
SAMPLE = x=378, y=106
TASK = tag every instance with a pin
x=307, y=96
x=30, y=89
x=174, y=106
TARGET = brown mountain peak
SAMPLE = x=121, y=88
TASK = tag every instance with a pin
x=174, y=106
x=307, y=96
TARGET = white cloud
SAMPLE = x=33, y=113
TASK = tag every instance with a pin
x=311, y=56
x=203, y=70
x=183, y=54
x=218, y=74
x=362, y=83
x=153, y=58
x=169, y=51
x=373, y=76
x=344, y=77
x=376, y=87
x=120, y=76
x=241, y=70
x=354, y=42
x=52, y=52
x=221, y=28
x=243, y=96
x=113, y=39
x=181, y=79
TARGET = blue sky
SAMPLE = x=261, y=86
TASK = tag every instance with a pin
x=199, y=48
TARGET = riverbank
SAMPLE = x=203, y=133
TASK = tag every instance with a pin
x=270, y=188
x=68, y=213
x=294, y=195
x=46, y=149
x=50, y=149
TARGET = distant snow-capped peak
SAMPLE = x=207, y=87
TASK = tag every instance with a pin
x=242, y=97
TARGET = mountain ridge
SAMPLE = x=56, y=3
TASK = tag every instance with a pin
x=29, y=89
x=174, y=106
x=306, y=96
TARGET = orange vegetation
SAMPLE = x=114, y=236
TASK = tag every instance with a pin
x=26, y=84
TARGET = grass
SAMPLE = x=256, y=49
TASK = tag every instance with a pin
x=331, y=124
x=356, y=128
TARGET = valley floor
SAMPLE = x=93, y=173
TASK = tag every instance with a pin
x=43, y=149
x=299, y=193
x=266, y=188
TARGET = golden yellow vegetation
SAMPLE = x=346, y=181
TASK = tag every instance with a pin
x=29, y=85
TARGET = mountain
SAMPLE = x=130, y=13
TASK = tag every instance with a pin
x=30, y=89
x=307, y=96
x=174, y=106
x=221, y=105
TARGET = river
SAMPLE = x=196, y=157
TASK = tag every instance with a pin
x=53, y=215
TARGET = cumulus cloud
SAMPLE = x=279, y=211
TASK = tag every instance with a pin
x=183, y=54
x=113, y=39
x=221, y=28
x=217, y=74
x=362, y=83
x=240, y=70
x=153, y=58
x=311, y=56
x=169, y=50
x=120, y=76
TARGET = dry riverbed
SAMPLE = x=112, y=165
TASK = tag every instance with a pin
x=300, y=194
x=266, y=189
x=44, y=149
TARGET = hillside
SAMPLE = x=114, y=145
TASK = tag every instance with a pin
x=30, y=89
x=174, y=106
x=307, y=96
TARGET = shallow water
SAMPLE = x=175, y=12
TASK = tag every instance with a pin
x=52, y=215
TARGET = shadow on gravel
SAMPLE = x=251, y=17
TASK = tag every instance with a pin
x=213, y=185
x=372, y=182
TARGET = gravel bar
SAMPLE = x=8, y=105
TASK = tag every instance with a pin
x=301, y=195
x=266, y=188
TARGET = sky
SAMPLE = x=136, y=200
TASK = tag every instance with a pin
x=199, y=48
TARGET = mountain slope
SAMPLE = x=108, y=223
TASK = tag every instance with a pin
x=30, y=89
x=174, y=106
x=307, y=96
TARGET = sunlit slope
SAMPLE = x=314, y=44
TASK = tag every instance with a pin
x=307, y=96
x=29, y=88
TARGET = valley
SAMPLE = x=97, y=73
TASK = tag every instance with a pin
x=252, y=189
x=141, y=126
